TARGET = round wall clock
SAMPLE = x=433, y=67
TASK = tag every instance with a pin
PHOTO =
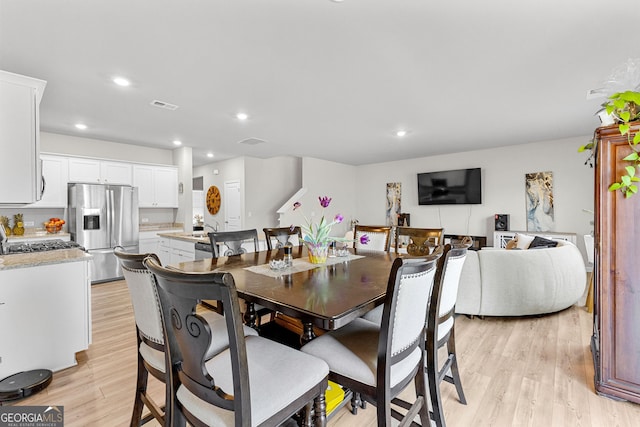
x=213, y=200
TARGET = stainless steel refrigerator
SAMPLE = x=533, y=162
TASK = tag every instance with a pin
x=100, y=218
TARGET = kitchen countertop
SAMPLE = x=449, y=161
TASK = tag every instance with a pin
x=38, y=235
x=186, y=236
x=34, y=259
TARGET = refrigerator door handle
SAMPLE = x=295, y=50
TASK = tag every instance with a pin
x=110, y=216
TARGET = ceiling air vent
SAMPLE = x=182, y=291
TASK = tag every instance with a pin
x=252, y=141
x=165, y=105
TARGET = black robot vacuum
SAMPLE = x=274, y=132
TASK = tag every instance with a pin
x=24, y=384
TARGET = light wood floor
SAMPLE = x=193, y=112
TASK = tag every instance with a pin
x=515, y=372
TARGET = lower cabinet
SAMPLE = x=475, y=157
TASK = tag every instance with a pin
x=48, y=308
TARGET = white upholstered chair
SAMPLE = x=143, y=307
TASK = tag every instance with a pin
x=441, y=331
x=378, y=361
x=254, y=382
x=150, y=334
x=379, y=237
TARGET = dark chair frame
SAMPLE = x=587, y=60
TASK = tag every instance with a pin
x=132, y=262
x=234, y=240
x=382, y=395
x=437, y=373
x=281, y=234
x=179, y=294
x=431, y=237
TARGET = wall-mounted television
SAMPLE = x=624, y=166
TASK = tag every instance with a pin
x=451, y=187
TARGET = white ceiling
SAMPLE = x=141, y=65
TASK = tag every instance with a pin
x=320, y=78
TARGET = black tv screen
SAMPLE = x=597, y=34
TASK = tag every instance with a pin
x=452, y=187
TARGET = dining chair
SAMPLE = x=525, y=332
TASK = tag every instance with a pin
x=441, y=330
x=419, y=241
x=379, y=237
x=150, y=335
x=379, y=361
x=282, y=236
x=253, y=382
x=233, y=240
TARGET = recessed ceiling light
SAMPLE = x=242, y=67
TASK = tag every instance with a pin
x=176, y=142
x=81, y=126
x=121, y=81
x=401, y=133
x=242, y=116
x=209, y=154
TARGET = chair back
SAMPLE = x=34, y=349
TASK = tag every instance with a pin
x=282, y=236
x=402, y=328
x=144, y=298
x=445, y=291
x=420, y=240
x=233, y=240
x=189, y=336
x=379, y=237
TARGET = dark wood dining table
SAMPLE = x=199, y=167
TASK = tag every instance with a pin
x=327, y=296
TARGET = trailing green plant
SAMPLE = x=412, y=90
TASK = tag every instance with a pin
x=625, y=107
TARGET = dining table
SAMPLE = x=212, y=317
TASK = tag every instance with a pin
x=327, y=295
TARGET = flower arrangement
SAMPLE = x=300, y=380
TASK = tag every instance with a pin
x=317, y=236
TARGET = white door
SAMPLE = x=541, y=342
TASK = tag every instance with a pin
x=232, y=209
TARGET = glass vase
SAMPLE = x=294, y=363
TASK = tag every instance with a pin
x=318, y=252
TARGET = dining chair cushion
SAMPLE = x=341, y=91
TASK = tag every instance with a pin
x=266, y=360
x=153, y=357
x=352, y=351
x=219, y=340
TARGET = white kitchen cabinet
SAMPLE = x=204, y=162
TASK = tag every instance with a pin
x=48, y=308
x=99, y=171
x=164, y=250
x=55, y=175
x=157, y=186
x=20, y=138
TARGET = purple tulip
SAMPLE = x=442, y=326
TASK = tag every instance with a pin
x=296, y=205
x=324, y=201
x=364, y=239
x=338, y=219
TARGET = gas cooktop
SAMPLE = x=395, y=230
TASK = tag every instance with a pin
x=45, y=245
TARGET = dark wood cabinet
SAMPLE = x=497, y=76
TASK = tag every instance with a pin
x=616, y=337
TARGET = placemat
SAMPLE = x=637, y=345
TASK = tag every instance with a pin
x=299, y=265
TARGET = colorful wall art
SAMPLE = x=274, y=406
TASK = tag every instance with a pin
x=539, y=197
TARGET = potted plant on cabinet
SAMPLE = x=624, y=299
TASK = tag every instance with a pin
x=624, y=107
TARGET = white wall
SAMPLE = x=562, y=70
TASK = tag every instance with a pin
x=269, y=184
x=503, y=187
x=77, y=146
x=227, y=170
x=324, y=178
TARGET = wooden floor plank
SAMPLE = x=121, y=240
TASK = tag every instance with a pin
x=529, y=371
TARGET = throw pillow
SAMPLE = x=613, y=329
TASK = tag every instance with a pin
x=523, y=240
x=541, y=242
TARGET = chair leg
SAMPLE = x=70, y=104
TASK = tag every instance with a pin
x=320, y=411
x=141, y=389
x=434, y=388
x=455, y=373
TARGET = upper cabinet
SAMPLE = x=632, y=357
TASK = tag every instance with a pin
x=157, y=186
x=100, y=171
x=55, y=175
x=20, y=173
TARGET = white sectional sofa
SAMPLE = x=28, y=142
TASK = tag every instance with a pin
x=501, y=282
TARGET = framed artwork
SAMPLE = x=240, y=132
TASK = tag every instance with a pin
x=539, y=198
x=394, y=195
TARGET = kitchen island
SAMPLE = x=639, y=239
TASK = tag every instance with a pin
x=45, y=309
